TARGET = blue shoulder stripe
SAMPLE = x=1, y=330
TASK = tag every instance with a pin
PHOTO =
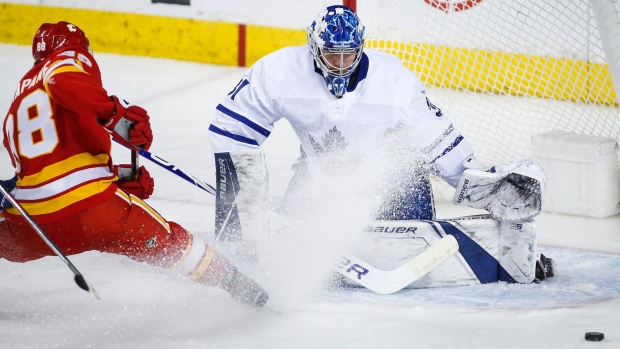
x=243, y=120
x=233, y=136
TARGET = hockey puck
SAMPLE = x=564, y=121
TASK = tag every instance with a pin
x=594, y=336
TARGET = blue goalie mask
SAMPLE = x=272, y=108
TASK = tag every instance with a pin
x=336, y=40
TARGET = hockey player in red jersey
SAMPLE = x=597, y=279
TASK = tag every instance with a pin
x=57, y=132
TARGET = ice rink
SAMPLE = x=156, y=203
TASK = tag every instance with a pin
x=144, y=307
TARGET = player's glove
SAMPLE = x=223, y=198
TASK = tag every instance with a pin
x=510, y=192
x=8, y=185
x=142, y=188
x=129, y=125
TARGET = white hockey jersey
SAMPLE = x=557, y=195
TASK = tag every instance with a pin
x=385, y=96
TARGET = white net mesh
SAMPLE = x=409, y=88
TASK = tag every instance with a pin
x=503, y=70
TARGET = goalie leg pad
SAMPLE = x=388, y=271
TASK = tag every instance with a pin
x=489, y=250
x=241, y=194
x=517, y=254
x=495, y=250
x=482, y=261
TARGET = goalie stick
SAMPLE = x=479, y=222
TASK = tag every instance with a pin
x=383, y=282
x=79, y=278
x=388, y=282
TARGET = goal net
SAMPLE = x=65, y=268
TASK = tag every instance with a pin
x=506, y=70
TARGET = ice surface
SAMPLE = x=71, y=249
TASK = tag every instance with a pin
x=144, y=307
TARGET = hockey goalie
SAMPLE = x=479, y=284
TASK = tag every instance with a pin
x=345, y=102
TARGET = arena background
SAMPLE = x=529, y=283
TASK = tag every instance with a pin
x=240, y=32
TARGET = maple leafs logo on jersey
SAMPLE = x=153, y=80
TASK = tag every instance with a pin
x=332, y=141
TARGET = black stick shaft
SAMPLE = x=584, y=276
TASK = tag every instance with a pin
x=79, y=279
x=135, y=164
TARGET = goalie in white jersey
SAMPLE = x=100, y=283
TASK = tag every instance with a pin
x=337, y=95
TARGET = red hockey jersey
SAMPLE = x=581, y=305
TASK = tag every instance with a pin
x=59, y=150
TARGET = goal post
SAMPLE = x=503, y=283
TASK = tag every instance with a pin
x=350, y=4
x=506, y=70
x=607, y=16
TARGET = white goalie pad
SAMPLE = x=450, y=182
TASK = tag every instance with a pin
x=489, y=250
x=241, y=199
x=518, y=249
x=511, y=192
x=251, y=199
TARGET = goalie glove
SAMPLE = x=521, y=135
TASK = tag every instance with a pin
x=510, y=192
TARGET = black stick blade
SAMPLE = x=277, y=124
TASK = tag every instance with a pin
x=81, y=282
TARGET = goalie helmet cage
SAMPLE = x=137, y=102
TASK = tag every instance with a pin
x=510, y=69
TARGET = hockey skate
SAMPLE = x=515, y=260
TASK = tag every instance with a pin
x=545, y=268
x=223, y=274
x=243, y=289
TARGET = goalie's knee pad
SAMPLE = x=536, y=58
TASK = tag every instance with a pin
x=241, y=194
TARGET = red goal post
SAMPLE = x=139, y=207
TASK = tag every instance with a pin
x=350, y=4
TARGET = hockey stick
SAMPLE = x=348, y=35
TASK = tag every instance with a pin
x=79, y=279
x=135, y=165
x=388, y=282
x=177, y=171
